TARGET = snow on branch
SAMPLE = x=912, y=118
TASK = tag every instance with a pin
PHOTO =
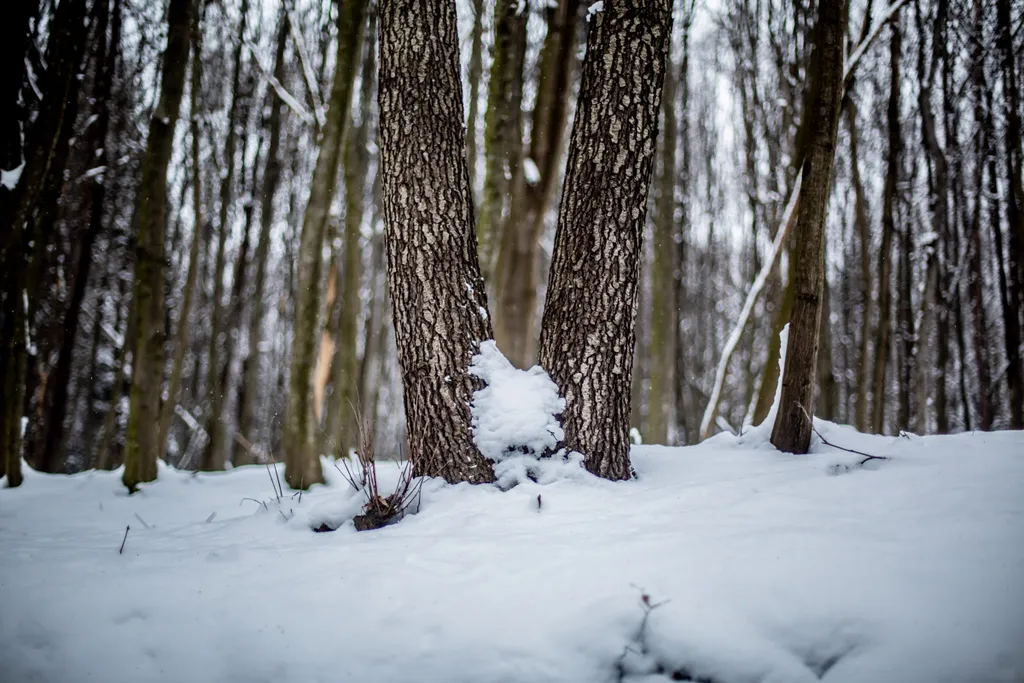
x=307, y=68
x=283, y=93
x=851, y=63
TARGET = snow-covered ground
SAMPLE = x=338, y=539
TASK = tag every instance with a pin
x=767, y=567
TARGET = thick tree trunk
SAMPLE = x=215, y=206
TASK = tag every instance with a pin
x=302, y=464
x=148, y=299
x=587, y=332
x=517, y=275
x=248, y=393
x=792, y=430
x=440, y=305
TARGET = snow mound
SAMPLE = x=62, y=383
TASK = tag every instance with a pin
x=514, y=421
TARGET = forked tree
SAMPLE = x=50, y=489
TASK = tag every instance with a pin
x=588, y=327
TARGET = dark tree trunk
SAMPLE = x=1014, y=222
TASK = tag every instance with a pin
x=440, y=305
x=862, y=222
x=148, y=300
x=587, y=332
x=55, y=402
x=1014, y=190
x=792, y=430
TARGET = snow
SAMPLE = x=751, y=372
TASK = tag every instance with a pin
x=595, y=8
x=515, y=424
x=760, y=566
x=531, y=171
x=9, y=179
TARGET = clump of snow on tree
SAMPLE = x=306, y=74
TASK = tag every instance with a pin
x=514, y=421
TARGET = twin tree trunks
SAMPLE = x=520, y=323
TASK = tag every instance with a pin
x=440, y=305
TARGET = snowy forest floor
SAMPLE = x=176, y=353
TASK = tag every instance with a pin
x=761, y=567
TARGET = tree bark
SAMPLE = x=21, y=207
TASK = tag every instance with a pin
x=587, y=331
x=475, y=75
x=302, y=464
x=862, y=222
x=792, y=429
x=148, y=299
x=439, y=301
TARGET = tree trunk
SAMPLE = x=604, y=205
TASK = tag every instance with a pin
x=587, y=332
x=503, y=129
x=884, y=330
x=55, y=402
x=475, y=75
x=248, y=393
x=792, y=430
x=1014, y=190
x=862, y=221
x=440, y=305
x=342, y=425
x=185, y=308
x=302, y=464
x=517, y=274
x=215, y=448
x=663, y=313
x=148, y=298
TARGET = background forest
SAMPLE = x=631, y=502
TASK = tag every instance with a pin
x=197, y=181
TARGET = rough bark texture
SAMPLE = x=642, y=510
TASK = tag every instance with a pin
x=792, y=429
x=517, y=274
x=440, y=306
x=884, y=330
x=248, y=396
x=148, y=299
x=587, y=332
x=302, y=464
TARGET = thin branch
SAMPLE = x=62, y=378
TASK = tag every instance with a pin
x=307, y=68
x=866, y=456
x=281, y=91
x=126, y=528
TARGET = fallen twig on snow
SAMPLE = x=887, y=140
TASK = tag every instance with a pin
x=142, y=520
x=866, y=456
x=126, y=528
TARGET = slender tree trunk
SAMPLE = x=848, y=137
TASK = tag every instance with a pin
x=475, y=75
x=503, y=129
x=302, y=464
x=664, y=316
x=55, y=403
x=792, y=430
x=862, y=221
x=181, y=341
x=587, y=332
x=879, y=388
x=342, y=425
x=148, y=299
x=248, y=393
x=440, y=304
x=1014, y=189
x=215, y=448
x=517, y=273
